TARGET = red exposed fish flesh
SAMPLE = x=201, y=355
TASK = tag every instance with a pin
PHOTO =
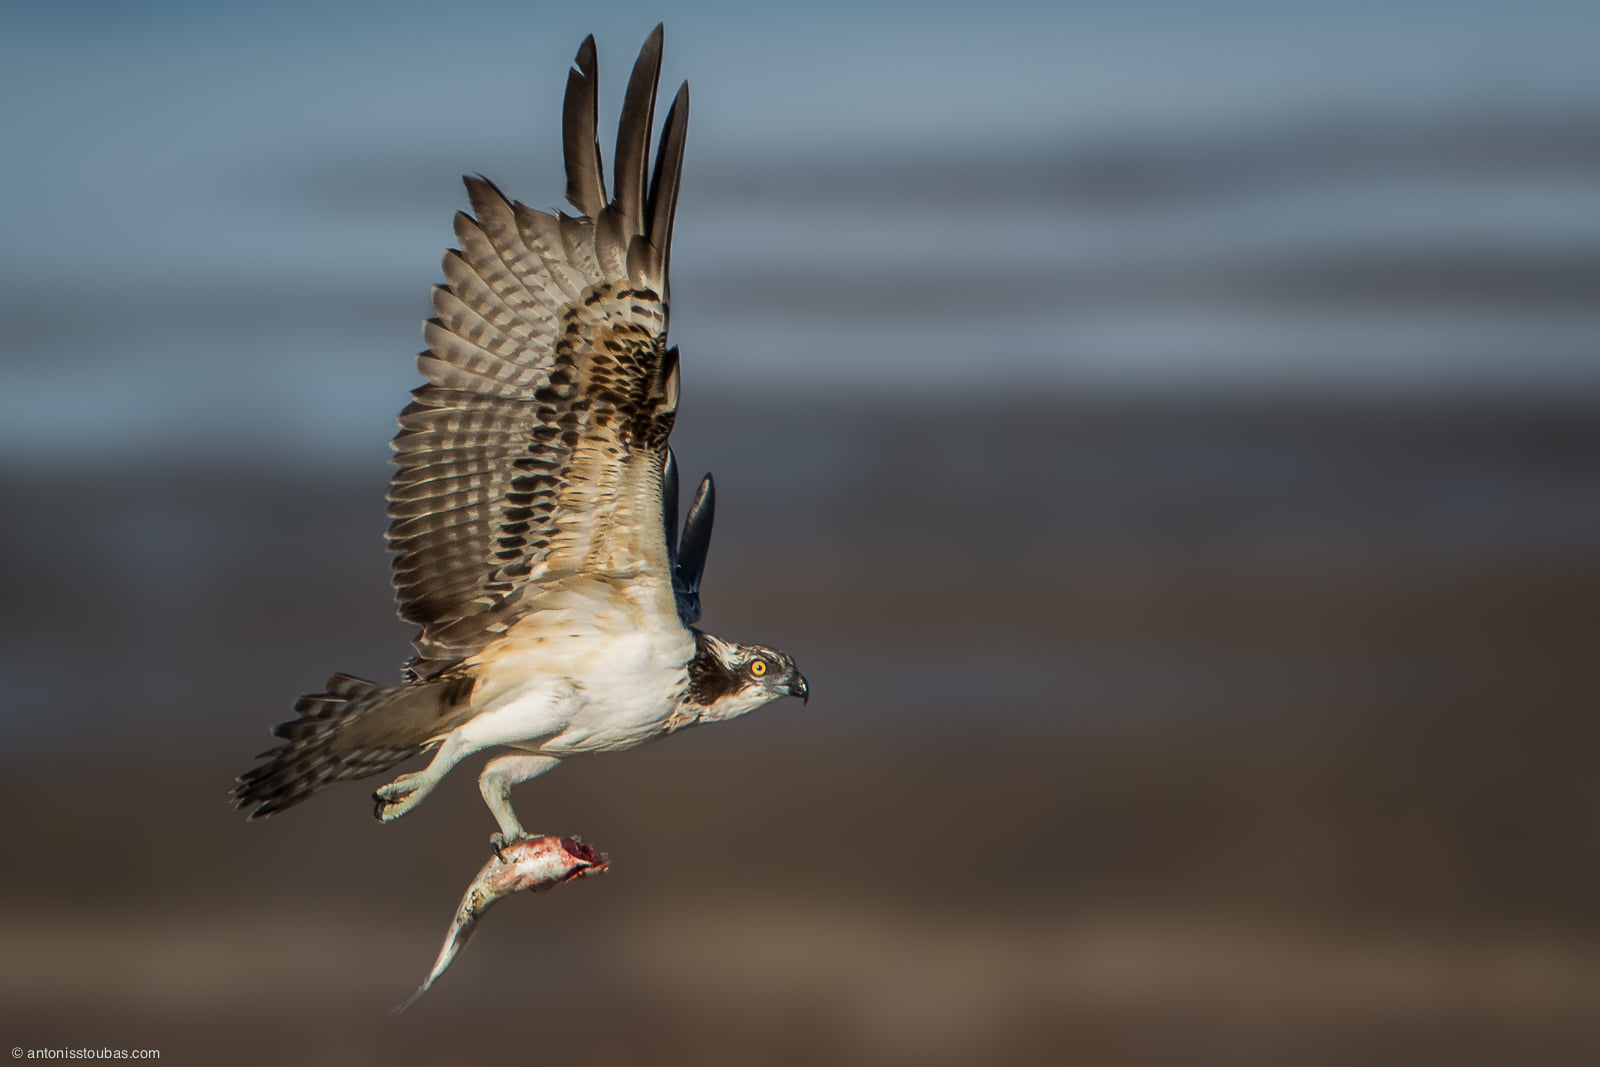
x=537, y=863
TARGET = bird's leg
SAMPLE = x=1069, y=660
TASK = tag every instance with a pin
x=407, y=791
x=495, y=784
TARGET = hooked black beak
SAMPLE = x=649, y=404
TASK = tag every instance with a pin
x=797, y=688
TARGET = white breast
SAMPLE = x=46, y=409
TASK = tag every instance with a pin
x=592, y=675
x=627, y=691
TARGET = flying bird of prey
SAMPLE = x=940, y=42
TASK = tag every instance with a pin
x=534, y=514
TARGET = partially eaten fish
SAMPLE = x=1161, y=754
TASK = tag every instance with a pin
x=536, y=863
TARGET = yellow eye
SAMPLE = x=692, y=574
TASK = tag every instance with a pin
x=758, y=667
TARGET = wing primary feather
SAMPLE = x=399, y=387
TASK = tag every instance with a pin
x=669, y=505
x=586, y=178
x=696, y=541
x=664, y=182
x=633, y=137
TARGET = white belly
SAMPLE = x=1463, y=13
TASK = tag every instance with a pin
x=569, y=694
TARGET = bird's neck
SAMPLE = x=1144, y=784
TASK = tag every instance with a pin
x=710, y=677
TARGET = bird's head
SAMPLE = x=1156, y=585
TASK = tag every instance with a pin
x=728, y=679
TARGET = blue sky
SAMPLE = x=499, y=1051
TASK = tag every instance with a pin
x=255, y=197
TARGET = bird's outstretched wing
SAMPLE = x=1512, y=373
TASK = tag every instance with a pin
x=688, y=556
x=536, y=449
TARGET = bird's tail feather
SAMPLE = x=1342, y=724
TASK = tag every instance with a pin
x=345, y=732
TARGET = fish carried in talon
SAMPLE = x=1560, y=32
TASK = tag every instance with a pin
x=535, y=864
x=534, y=515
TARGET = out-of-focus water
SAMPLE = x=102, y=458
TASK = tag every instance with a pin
x=1167, y=436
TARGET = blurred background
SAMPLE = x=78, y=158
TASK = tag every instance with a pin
x=1167, y=435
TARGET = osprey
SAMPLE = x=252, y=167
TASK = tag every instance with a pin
x=534, y=512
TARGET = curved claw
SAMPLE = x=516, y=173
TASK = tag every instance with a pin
x=500, y=842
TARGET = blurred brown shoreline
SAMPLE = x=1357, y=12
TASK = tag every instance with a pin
x=1354, y=888
x=1157, y=732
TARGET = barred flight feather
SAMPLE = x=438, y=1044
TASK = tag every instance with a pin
x=335, y=737
x=586, y=183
